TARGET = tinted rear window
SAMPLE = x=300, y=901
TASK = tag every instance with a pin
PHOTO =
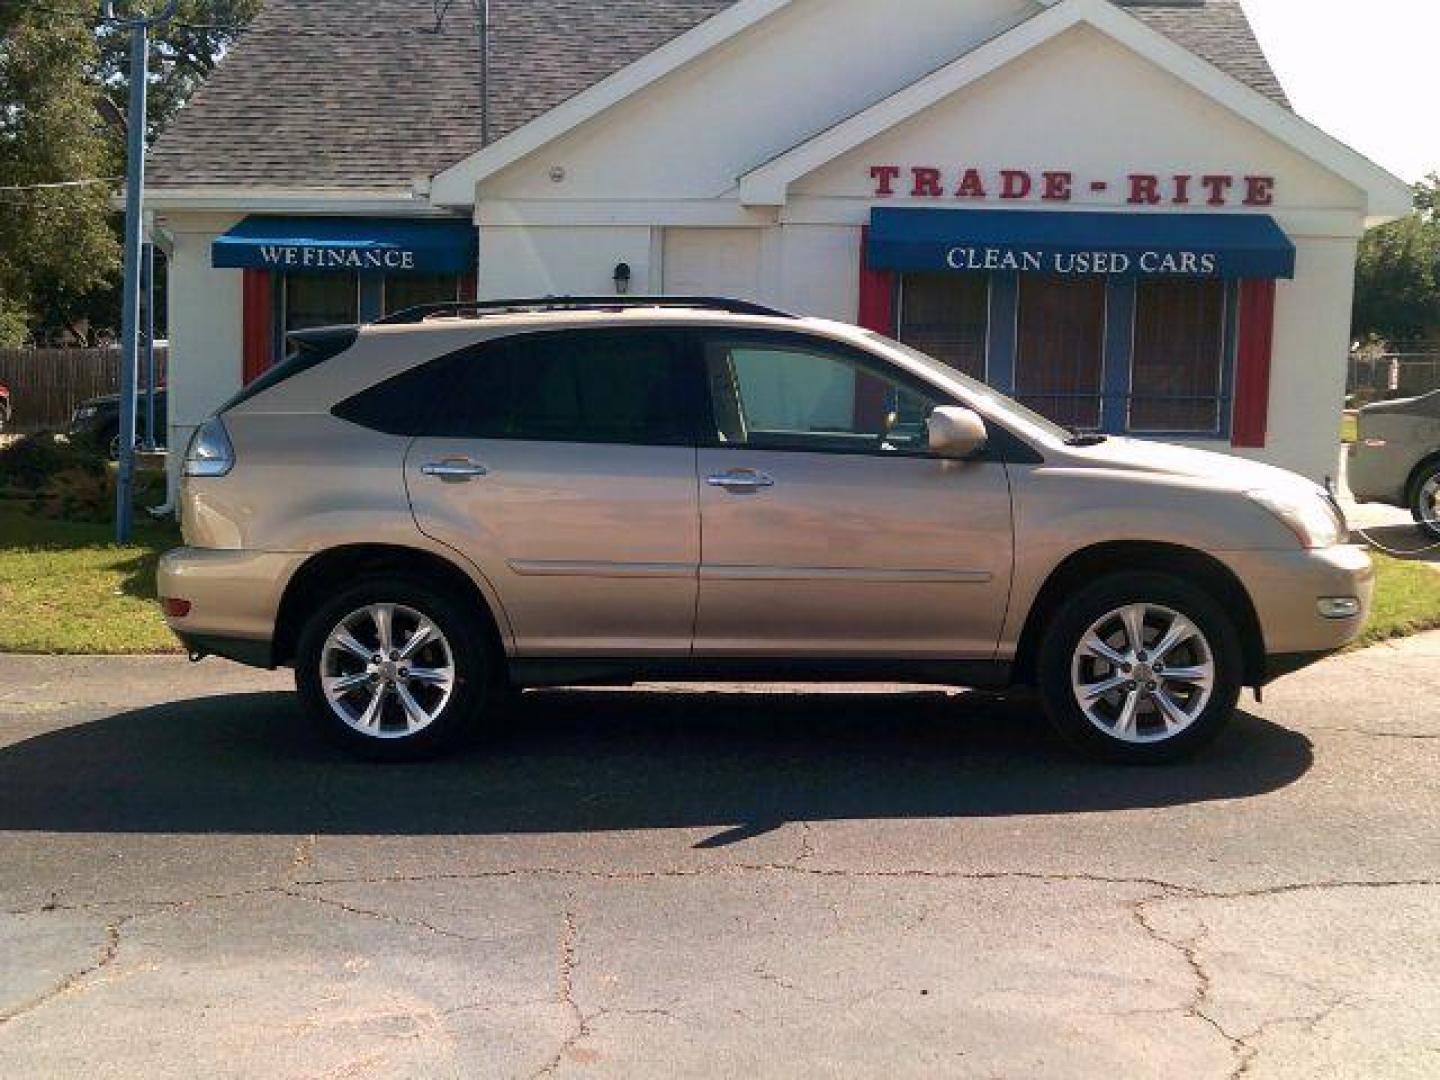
x=629, y=387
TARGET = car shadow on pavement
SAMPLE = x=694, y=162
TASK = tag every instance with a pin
x=579, y=761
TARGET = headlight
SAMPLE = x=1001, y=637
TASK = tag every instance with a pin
x=210, y=452
x=1309, y=515
x=86, y=412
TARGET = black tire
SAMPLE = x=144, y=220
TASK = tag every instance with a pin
x=1073, y=621
x=1426, y=515
x=475, y=664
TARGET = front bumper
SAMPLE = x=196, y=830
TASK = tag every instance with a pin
x=1287, y=587
x=234, y=599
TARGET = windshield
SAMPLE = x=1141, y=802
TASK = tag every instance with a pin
x=983, y=394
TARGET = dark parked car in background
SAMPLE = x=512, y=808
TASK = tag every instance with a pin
x=97, y=421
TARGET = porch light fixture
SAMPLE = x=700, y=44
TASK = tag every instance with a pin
x=622, y=279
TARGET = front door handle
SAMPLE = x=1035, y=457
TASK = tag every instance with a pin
x=741, y=481
x=454, y=470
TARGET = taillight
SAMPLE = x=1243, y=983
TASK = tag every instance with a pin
x=210, y=452
x=174, y=607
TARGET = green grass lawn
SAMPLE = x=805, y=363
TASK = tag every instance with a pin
x=66, y=588
x=1407, y=600
x=1349, y=428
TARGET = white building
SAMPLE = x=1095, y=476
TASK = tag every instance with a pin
x=1106, y=209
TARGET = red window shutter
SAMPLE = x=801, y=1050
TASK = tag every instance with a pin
x=877, y=293
x=258, y=325
x=877, y=313
x=1252, y=365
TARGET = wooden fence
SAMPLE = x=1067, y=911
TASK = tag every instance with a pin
x=46, y=384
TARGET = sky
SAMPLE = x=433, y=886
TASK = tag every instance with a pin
x=1364, y=70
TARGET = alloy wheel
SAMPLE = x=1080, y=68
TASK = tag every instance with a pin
x=1428, y=502
x=387, y=671
x=1143, y=673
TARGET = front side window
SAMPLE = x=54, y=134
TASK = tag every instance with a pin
x=1178, y=356
x=798, y=396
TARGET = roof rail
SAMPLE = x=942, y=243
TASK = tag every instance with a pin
x=480, y=308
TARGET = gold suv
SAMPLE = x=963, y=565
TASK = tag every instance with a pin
x=421, y=515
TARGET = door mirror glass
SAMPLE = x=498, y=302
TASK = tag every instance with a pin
x=956, y=432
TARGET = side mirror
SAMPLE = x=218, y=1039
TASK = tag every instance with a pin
x=956, y=432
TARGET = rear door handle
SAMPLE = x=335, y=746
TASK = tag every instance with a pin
x=454, y=470
x=741, y=481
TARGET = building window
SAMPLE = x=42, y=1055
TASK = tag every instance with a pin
x=1153, y=356
x=1178, y=358
x=947, y=316
x=1060, y=348
x=412, y=290
x=320, y=300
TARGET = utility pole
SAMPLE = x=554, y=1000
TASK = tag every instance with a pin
x=139, y=26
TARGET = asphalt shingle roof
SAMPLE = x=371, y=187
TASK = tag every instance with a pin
x=375, y=94
x=1220, y=32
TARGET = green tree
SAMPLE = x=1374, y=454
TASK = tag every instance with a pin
x=1397, y=289
x=59, y=246
x=56, y=243
x=183, y=53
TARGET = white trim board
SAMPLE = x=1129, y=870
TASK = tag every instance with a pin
x=455, y=186
x=1388, y=196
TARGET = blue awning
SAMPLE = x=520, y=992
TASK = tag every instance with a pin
x=375, y=245
x=1078, y=242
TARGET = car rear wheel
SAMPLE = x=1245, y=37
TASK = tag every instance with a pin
x=393, y=670
x=1425, y=499
x=1140, y=668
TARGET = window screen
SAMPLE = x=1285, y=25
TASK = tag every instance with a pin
x=1059, y=349
x=947, y=316
x=774, y=395
x=1179, y=356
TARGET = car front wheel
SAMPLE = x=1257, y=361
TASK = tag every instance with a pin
x=394, y=670
x=1425, y=502
x=1141, y=668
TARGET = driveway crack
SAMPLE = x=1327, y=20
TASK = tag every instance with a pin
x=1189, y=951
x=372, y=913
x=109, y=949
x=565, y=995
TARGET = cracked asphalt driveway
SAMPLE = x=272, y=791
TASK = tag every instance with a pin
x=657, y=883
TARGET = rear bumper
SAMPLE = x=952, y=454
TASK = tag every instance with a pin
x=234, y=599
x=1287, y=588
x=259, y=654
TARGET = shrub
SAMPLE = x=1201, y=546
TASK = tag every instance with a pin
x=78, y=495
x=83, y=495
x=29, y=463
